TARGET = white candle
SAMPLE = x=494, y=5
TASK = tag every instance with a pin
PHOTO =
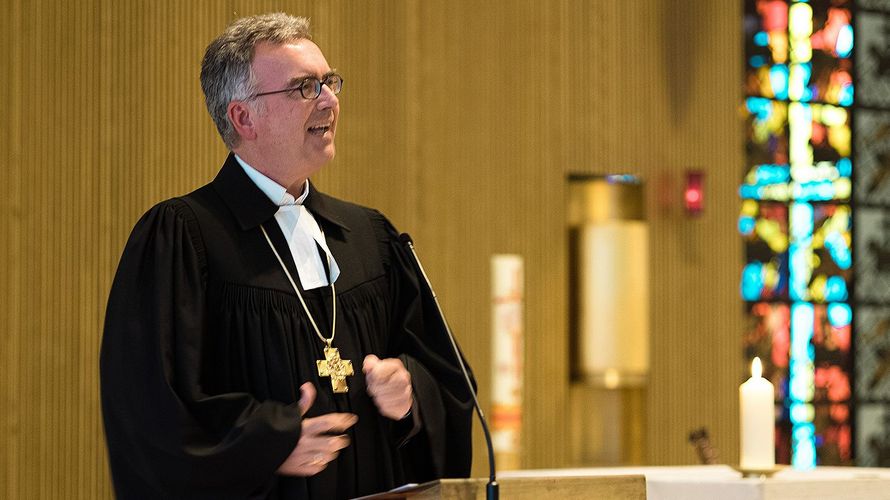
x=756, y=402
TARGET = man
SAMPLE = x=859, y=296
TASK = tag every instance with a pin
x=262, y=339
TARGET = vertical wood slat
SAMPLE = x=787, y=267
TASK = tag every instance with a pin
x=10, y=251
x=460, y=121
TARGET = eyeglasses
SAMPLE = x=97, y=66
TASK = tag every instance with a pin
x=310, y=88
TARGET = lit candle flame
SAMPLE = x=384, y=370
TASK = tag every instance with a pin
x=756, y=368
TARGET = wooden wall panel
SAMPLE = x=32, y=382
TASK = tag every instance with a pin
x=662, y=98
x=10, y=250
x=51, y=385
x=491, y=185
x=460, y=120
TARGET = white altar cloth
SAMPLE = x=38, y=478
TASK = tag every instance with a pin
x=721, y=482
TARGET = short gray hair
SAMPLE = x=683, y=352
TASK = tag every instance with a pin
x=226, y=73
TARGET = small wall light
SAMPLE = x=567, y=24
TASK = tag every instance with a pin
x=694, y=192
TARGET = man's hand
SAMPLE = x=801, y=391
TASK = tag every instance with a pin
x=389, y=385
x=321, y=438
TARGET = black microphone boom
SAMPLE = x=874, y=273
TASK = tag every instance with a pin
x=491, y=490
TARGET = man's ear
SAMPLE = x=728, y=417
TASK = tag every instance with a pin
x=241, y=117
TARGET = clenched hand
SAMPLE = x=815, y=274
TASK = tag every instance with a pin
x=389, y=385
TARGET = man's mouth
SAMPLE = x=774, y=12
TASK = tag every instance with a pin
x=319, y=129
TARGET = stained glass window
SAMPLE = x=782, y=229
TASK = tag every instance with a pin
x=796, y=220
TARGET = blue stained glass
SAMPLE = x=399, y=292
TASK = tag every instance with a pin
x=844, y=167
x=804, y=431
x=746, y=226
x=757, y=61
x=846, y=97
x=759, y=106
x=749, y=192
x=771, y=174
x=761, y=39
x=814, y=191
x=807, y=95
x=770, y=182
x=839, y=250
x=800, y=270
x=799, y=252
x=844, y=45
x=752, y=281
x=778, y=79
x=802, y=319
x=840, y=315
x=835, y=290
x=801, y=221
x=804, y=456
x=804, y=445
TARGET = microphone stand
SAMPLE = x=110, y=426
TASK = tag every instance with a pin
x=491, y=490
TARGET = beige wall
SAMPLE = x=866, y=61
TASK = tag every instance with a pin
x=460, y=120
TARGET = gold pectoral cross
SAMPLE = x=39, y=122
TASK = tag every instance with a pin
x=336, y=368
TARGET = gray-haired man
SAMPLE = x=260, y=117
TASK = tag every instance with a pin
x=263, y=339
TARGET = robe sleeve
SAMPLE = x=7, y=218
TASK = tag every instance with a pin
x=166, y=438
x=443, y=447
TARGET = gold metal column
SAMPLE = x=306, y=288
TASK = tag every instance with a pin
x=609, y=308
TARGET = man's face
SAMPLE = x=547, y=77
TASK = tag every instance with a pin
x=292, y=130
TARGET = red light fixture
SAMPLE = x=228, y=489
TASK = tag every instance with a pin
x=694, y=192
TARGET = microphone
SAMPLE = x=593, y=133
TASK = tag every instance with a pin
x=491, y=490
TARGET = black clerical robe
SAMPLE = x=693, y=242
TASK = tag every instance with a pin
x=206, y=346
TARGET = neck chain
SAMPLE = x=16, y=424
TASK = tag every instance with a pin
x=332, y=366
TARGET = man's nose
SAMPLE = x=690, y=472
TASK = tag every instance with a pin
x=327, y=98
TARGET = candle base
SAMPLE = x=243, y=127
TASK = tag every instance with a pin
x=761, y=473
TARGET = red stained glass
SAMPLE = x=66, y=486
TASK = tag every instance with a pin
x=832, y=383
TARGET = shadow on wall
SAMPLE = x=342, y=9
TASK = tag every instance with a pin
x=682, y=24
